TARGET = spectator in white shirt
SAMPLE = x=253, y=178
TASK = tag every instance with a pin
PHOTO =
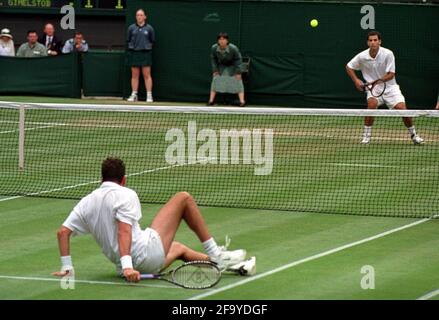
x=76, y=44
x=6, y=43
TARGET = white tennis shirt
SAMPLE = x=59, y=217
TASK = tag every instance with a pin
x=374, y=68
x=97, y=214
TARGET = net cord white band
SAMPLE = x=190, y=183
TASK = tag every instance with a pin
x=224, y=110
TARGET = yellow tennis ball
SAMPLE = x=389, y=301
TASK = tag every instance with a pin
x=314, y=23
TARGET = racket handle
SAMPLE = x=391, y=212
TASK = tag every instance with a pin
x=148, y=276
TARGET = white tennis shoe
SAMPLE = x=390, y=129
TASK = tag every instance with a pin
x=132, y=98
x=366, y=139
x=226, y=258
x=417, y=139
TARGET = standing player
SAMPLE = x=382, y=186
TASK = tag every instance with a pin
x=379, y=63
x=111, y=214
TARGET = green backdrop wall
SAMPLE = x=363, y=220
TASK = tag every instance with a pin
x=292, y=64
x=48, y=76
x=103, y=73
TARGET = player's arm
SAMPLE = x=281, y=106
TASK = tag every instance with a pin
x=388, y=76
x=357, y=82
x=63, y=235
x=124, y=237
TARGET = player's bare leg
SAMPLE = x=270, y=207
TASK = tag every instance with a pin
x=183, y=207
x=408, y=122
x=180, y=207
x=372, y=103
x=179, y=251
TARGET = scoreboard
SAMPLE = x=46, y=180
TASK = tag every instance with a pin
x=81, y=6
x=47, y=4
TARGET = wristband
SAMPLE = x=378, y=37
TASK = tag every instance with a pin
x=66, y=261
x=127, y=262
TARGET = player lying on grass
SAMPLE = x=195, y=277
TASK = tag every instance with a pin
x=378, y=63
x=112, y=213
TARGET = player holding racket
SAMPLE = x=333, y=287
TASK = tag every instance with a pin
x=378, y=63
x=112, y=213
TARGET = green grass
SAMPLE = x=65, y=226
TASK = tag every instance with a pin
x=405, y=262
x=318, y=168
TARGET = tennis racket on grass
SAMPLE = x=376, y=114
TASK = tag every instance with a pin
x=376, y=88
x=190, y=275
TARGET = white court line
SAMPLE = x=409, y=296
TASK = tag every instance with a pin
x=93, y=182
x=90, y=282
x=429, y=295
x=362, y=165
x=314, y=257
x=37, y=123
x=29, y=129
x=10, y=198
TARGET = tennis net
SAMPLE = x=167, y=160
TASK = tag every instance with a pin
x=307, y=160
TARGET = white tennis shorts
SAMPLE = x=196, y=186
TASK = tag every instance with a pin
x=391, y=97
x=154, y=254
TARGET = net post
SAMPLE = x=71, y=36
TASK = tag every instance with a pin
x=21, y=137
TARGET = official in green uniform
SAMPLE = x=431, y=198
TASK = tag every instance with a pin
x=226, y=69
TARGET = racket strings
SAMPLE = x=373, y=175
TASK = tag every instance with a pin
x=196, y=276
x=378, y=89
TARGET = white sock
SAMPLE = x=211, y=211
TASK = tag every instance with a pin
x=367, y=131
x=149, y=94
x=134, y=93
x=211, y=247
x=412, y=131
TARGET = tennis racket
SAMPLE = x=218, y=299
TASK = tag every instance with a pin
x=190, y=275
x=376, y=88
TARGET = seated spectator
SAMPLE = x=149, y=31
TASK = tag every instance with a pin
x=76, y=44
x=6, y=43
x=50, y=40
x=32, y=48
